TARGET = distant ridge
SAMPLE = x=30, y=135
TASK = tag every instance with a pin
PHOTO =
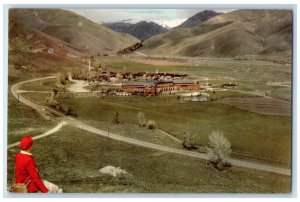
x=142, y=30
x=238, y=33
x=198, y=18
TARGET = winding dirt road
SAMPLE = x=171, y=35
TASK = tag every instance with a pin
x=45, y=110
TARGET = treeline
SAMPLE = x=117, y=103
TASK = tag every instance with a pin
x=131, y=48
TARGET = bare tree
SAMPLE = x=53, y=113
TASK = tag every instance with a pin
x=218, y=150
x=141, y=119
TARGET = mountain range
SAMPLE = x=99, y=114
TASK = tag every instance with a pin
x=142, y=30
x=238, y=33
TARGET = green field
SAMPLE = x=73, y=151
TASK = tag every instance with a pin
x=78, y=155
x=241, y=127
x=23, y=120
x=254, y=137
x=283, y=93
x=260, y=71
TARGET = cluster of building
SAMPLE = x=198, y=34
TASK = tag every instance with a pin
x=110, y=76
x=156, y=87
x=230, y=85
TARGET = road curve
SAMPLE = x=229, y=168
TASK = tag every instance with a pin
x=83, y=126
x=49, y=132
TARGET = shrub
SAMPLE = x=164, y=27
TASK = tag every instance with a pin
x=116, y=118
x=68, y=109
x=51, y=99
x=62, y=78
x=218, y=150
x=141, y=119
x=187, y=139
x=151, y=124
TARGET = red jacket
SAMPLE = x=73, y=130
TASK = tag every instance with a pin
x=26, y=171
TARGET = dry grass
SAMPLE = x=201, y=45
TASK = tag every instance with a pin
x=78, y=155
x=260, y=105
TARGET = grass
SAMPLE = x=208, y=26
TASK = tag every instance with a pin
x=134, y=131
x=28, y=122
x=283, y=93
x=260, y=71
x=78, y=155
x=37, y=65
x=43, y=85
x=130, y=130
x=224, y=94
x=241, y=127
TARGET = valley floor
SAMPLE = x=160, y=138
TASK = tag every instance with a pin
x=152, y=171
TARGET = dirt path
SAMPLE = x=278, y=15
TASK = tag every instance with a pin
x=170, y=136
x=103, y=133
x=49, y=132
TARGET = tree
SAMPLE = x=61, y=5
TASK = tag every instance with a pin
x=116, y=118
x=218, y=150
x=141, y=119
x=62, y=78
x=187, y=138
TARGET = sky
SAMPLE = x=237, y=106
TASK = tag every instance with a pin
x=165, y=17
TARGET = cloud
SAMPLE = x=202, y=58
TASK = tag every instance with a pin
x=170, y=23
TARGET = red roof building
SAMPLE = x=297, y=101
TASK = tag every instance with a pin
x=156, y=87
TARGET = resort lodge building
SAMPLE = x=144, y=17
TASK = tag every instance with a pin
x=156, y=87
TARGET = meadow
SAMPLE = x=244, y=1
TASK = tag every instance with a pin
x=78, y=155
x=242, y=127
x=254, y=136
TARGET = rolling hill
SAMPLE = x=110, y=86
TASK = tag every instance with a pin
x=142, y=30
x=238, y=33
x=62, y=31
x=198, y=18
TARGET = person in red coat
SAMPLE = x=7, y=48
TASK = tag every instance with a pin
x=25, y=168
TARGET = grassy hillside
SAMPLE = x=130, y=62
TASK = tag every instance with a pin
x=239, y=33
x=67, y=29
x=78, y=155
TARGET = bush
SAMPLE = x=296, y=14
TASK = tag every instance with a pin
x=116, y=118
x=68, y=109
x=218, y=150
x=187, y=139
x=141, y=119
x=151, y=124
x=62, y=78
